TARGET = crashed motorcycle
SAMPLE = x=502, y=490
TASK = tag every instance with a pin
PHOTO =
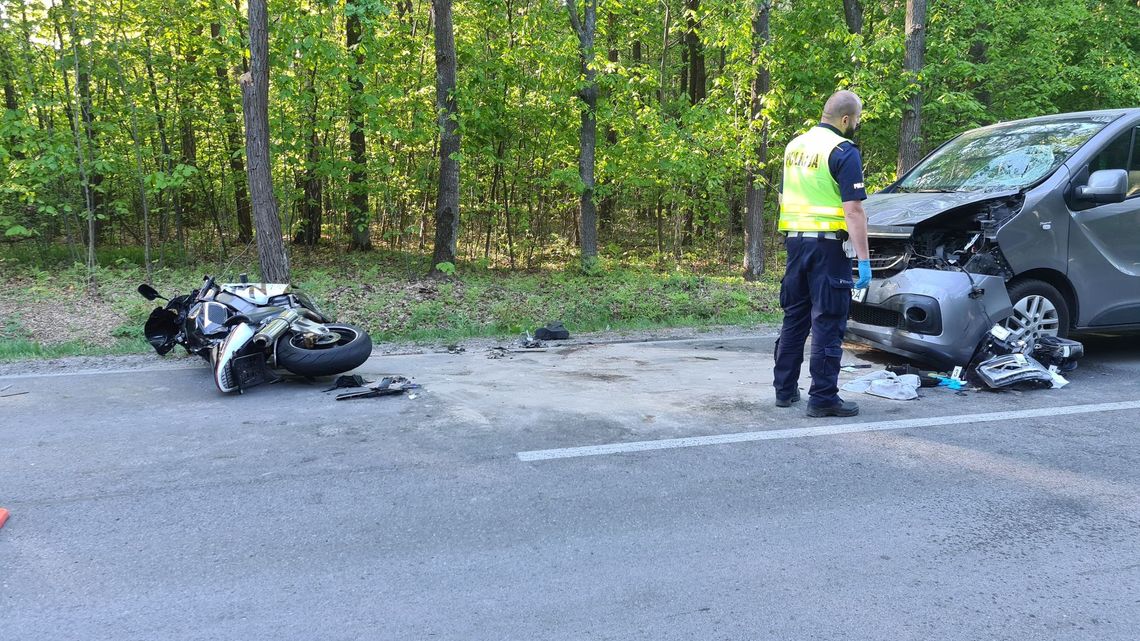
x=247, y=332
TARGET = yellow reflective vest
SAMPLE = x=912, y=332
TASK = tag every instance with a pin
x=810, y=200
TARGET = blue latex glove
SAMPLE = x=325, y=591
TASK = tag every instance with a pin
x=864, y=275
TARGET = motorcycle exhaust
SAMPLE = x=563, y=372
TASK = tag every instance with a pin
x=275, y=328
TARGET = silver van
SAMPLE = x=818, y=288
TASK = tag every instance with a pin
x=1033, y=224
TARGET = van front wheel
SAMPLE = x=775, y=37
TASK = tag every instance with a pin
x=1038, y=310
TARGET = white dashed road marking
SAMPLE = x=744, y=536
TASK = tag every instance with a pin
x=829, y=429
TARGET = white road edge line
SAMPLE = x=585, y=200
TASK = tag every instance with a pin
x=820, y=430
x=93, y=372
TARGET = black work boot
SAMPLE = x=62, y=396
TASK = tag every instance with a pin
x=787, y=402
x=841, y=409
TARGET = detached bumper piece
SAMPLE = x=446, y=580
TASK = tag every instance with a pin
x=1006, y=363
x=1014, y=370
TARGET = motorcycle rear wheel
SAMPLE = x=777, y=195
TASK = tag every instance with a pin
x=348, y=353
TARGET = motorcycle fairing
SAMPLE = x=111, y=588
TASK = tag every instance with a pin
x=223, y=373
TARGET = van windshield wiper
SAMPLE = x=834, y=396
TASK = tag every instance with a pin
x=906, y=190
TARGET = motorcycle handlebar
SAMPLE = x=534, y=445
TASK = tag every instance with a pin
x=207, y=284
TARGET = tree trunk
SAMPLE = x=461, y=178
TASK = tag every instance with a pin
x=447, y=200
x=607, y=203
x=311, y=199
x=910, y=135
x=756, y=193
x=82, y=132
x=660, y=230
x=979, y=56
x=358, y=214
x=586, y=28
x=94, y=178
x=11, y=102
x=853, y=14
x=188, y=147
x=661, y=78
x=233, y=144
x=255, y=107
x=137, y=145
x=697, y=75
x=167, y=157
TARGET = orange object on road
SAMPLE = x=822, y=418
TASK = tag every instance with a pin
x=3, y=516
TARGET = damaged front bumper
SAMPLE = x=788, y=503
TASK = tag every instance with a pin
x=928, y=315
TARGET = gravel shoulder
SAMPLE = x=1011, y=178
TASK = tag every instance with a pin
x=179, y=359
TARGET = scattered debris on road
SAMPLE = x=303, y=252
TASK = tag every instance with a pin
x=1000, y=363
x=553, y=331
x=348, y=380
x=530, y=343
x=388, y=386
x=886, y=384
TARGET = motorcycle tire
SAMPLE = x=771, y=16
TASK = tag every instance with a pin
x=350, y=352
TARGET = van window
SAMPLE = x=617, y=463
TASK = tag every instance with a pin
x=1134, y=166
x=1121, y=153
x=1115, y=155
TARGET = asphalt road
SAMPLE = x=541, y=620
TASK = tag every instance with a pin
x=147, y=506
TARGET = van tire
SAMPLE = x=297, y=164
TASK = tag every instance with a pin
x=1039, y=309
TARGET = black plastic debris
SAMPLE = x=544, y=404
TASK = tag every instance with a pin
x=999, y=341
x=926, y=378
x=348, y=380
x=553, y=331
x=1061, y=353
x=388, y=386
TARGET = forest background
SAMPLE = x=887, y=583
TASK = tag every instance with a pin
x=614, y=164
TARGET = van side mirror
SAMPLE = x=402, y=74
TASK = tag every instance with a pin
x=1104, y=186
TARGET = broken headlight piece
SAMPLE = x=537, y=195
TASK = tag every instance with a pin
x=1010, y=370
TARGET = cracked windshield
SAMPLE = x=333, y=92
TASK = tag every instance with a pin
x=1001, y=158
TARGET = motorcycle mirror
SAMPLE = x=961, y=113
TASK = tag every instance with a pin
x=149, y=292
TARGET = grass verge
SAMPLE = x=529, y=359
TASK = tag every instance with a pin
x=57, y=310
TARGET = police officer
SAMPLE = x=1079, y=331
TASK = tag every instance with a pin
x=821, y=212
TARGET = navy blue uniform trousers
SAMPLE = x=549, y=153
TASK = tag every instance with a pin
x=816, y=296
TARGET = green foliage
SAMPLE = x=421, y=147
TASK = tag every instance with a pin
x=670, y=173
